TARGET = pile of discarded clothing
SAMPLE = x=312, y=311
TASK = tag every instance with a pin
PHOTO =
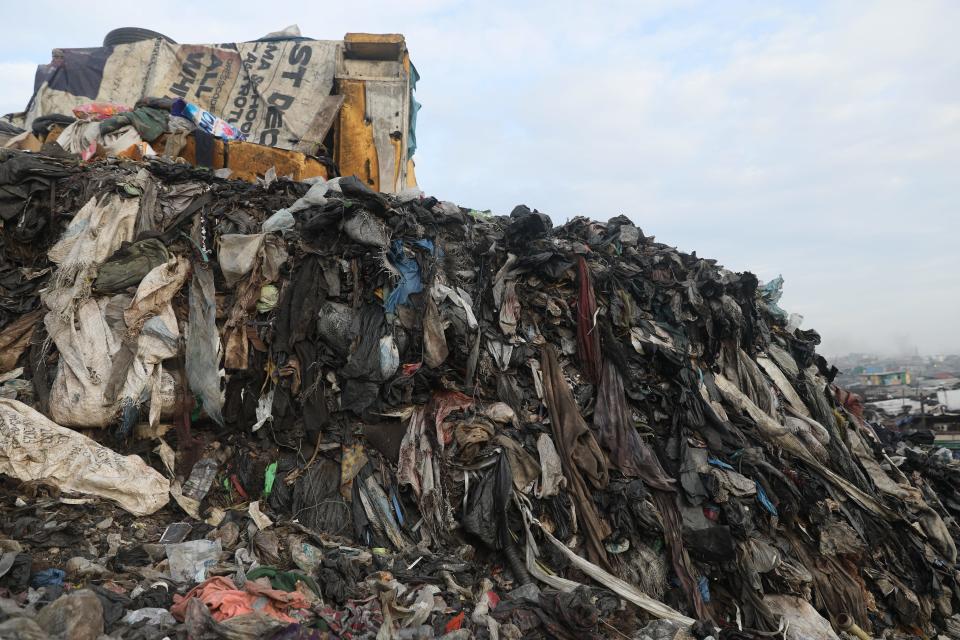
x=308, y=410
x=108, y=129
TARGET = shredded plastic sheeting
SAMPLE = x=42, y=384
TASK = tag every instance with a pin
x=203, y=349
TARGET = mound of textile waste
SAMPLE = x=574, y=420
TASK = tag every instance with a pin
x=309, y=410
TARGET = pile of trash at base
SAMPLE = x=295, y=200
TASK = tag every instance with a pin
x=308, y=410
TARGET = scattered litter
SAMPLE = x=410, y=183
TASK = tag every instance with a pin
x=190, y=561
x=175, y=532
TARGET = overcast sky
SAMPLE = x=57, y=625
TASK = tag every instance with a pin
x=820, y=141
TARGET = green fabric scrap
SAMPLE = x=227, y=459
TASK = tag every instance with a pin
x=129, y=264
x=150, y=123
x=284, y=580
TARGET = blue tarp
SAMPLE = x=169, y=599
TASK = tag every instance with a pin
x=409, y=270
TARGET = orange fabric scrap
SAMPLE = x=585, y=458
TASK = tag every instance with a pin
x=225, y=600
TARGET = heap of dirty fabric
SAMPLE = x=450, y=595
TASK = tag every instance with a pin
x=308, y=410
